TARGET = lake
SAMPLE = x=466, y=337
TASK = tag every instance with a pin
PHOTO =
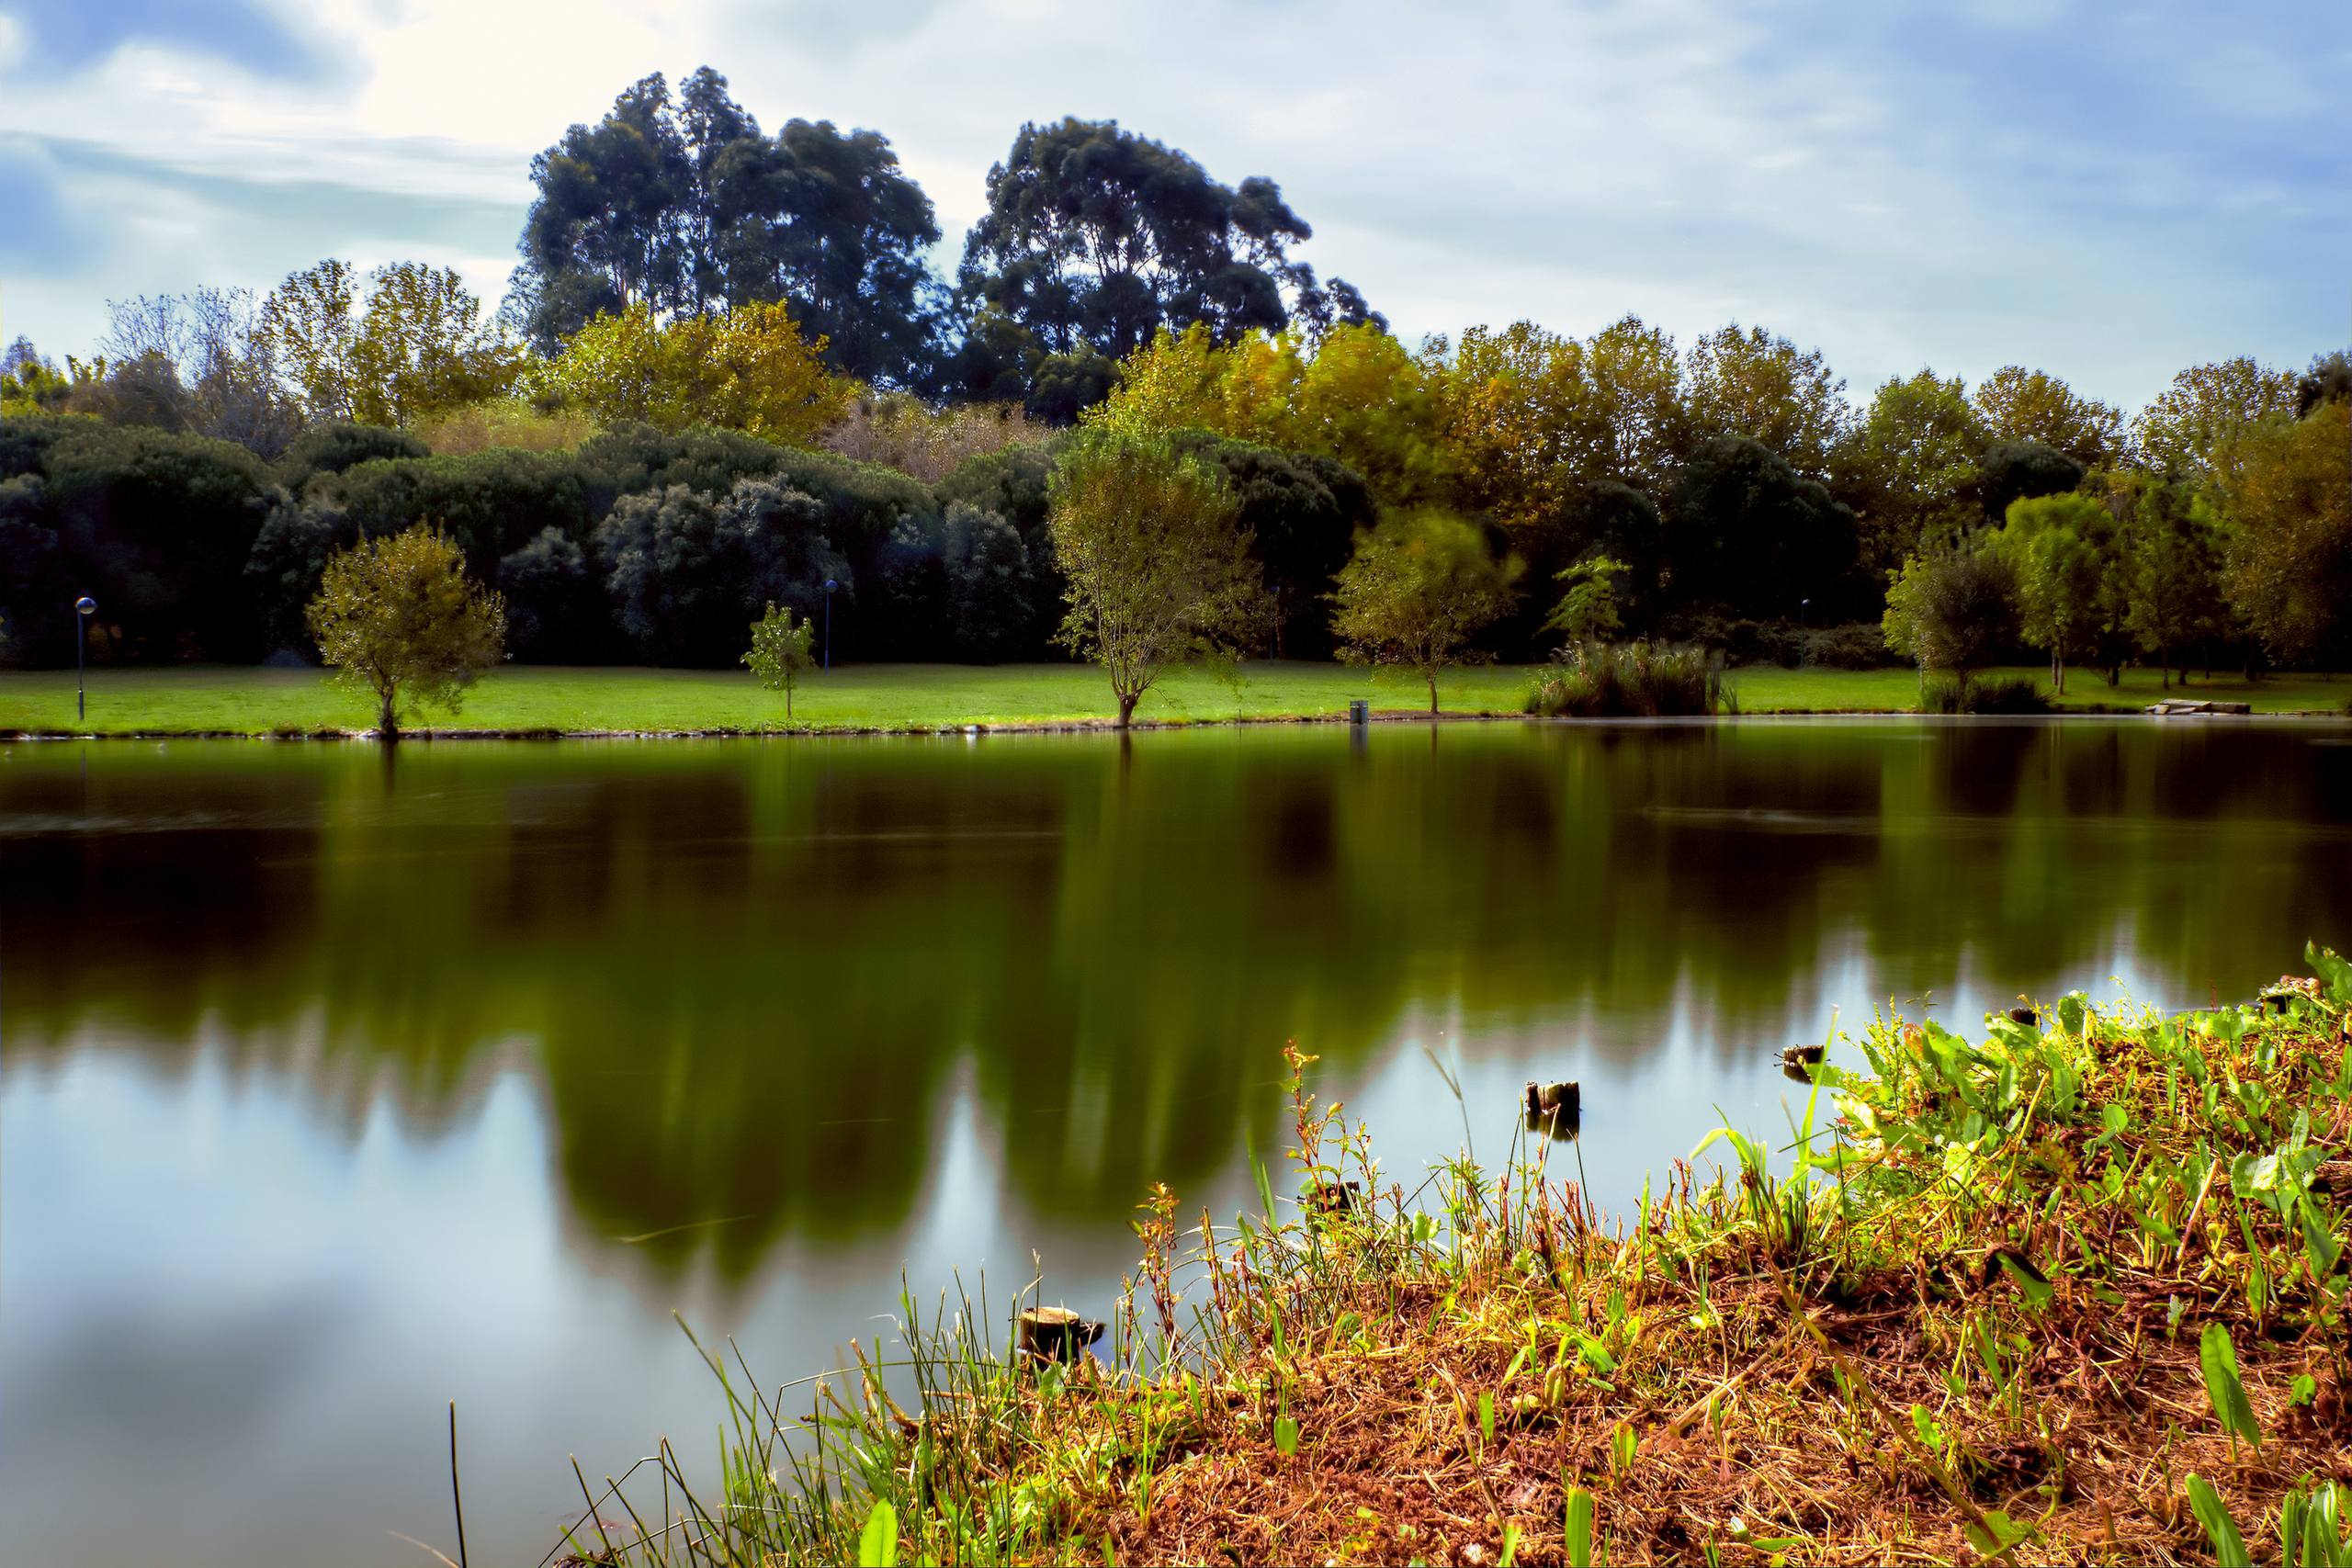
x=335, y=1086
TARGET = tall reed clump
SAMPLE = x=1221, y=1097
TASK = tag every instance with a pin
x=1986, y=694
x=1637, y=680
x=2071, y=1291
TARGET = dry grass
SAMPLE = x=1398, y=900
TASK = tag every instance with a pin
x=1968, y=1310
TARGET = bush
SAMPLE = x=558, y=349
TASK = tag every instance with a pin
x=1861, y=646
x=1635, y=681
x=1993, y=694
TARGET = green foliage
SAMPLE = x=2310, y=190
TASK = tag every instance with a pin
x=1637, y=680
x=1419, y=588
x=2012, y=471
x=2171, y=569
x=2060, y=551
x=1157, y=572
x=1746, y=531
x=682, y=204
x=1071, y=193
x=1950, y=607
x=751, y=370
x=417, y=346
x=877, y=1543
x=1990, y=694
x=2220, y=1530
x=684, y=568
x=1910, y=467
x=398, y=621
x=2286, y=496
x=2218, y=1358
x=780, y=652
x=1588, y=611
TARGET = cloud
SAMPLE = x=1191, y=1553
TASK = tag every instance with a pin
x=37, y=232
x=74, y=34
x=2110, y=193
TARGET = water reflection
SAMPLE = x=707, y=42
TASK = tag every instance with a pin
x=745, y=973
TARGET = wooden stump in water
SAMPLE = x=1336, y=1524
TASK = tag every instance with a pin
x=1055, y=1334
x=1554, y=1107
x=1802, y=1055
x=2025, y=1015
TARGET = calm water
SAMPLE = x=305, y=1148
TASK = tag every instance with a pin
x=332, y=1090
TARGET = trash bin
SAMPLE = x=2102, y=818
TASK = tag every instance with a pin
x=1359, y=711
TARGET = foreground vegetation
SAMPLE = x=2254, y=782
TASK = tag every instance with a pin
x=191, y=701
x=2074, y=1291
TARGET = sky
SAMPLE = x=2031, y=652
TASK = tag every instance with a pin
x=2107, y=191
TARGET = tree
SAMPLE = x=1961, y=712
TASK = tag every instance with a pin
x=1753, y=384
x=2205, y=406
x=2019, y=404
x=684, y=207
x=1909, y=467
x=2328, y=380
x=750, y=371
x=1420, y=585
x=2019, y=470
x=2287, y=498
x=399, y=620
x=2058, y=549
x=1096, y=236
x=1159, y=573
x=1949, y=607
x=1747, y=531
x=1588, y=611
x=416, y=345
x=2171, y=568
x=779, y=654
x=683, y=566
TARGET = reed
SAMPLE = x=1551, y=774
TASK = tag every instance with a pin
x=2070, y=1291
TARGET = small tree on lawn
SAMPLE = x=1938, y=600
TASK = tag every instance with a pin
x=1949, y=608
x=1588, y=611
x=2059, y=549
x=398, y=619
x=780, y=652
x=1419, y=586
x=1159, y=573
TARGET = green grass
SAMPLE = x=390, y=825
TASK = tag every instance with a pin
x=2072, y=1290
x=1769, y=689
x=923, y=696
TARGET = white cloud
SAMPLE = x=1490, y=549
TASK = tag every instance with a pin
x=1898, y=188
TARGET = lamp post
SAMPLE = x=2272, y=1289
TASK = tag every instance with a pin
x=830, y=586
x=84, y=608
x=1804, y=612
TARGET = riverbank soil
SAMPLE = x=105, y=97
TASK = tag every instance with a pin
x=2070, y=1292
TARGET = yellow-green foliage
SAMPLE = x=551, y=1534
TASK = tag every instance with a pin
x=398, y=620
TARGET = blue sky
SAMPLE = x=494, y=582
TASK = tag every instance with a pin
x=2110, y=192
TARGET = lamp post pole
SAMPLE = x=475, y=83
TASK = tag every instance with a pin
x=829, y=585
x=84, y=608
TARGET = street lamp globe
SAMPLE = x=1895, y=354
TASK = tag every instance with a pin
x=85, y=606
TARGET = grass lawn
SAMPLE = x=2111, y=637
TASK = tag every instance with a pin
x=918, y=696
x=1769, y=689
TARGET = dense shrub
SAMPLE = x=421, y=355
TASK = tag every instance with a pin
x=557, y=612
x=1628, y=681
x=1992, y=695
x=1302, y=514
x=689, y=572
x=1860, y=646
x=155, y=526
x=334, y=448
x=289, y=556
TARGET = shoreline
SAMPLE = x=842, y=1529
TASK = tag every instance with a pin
x=2002, y=1296
x=1106, y=727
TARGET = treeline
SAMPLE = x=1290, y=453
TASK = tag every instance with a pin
x=724, y=375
